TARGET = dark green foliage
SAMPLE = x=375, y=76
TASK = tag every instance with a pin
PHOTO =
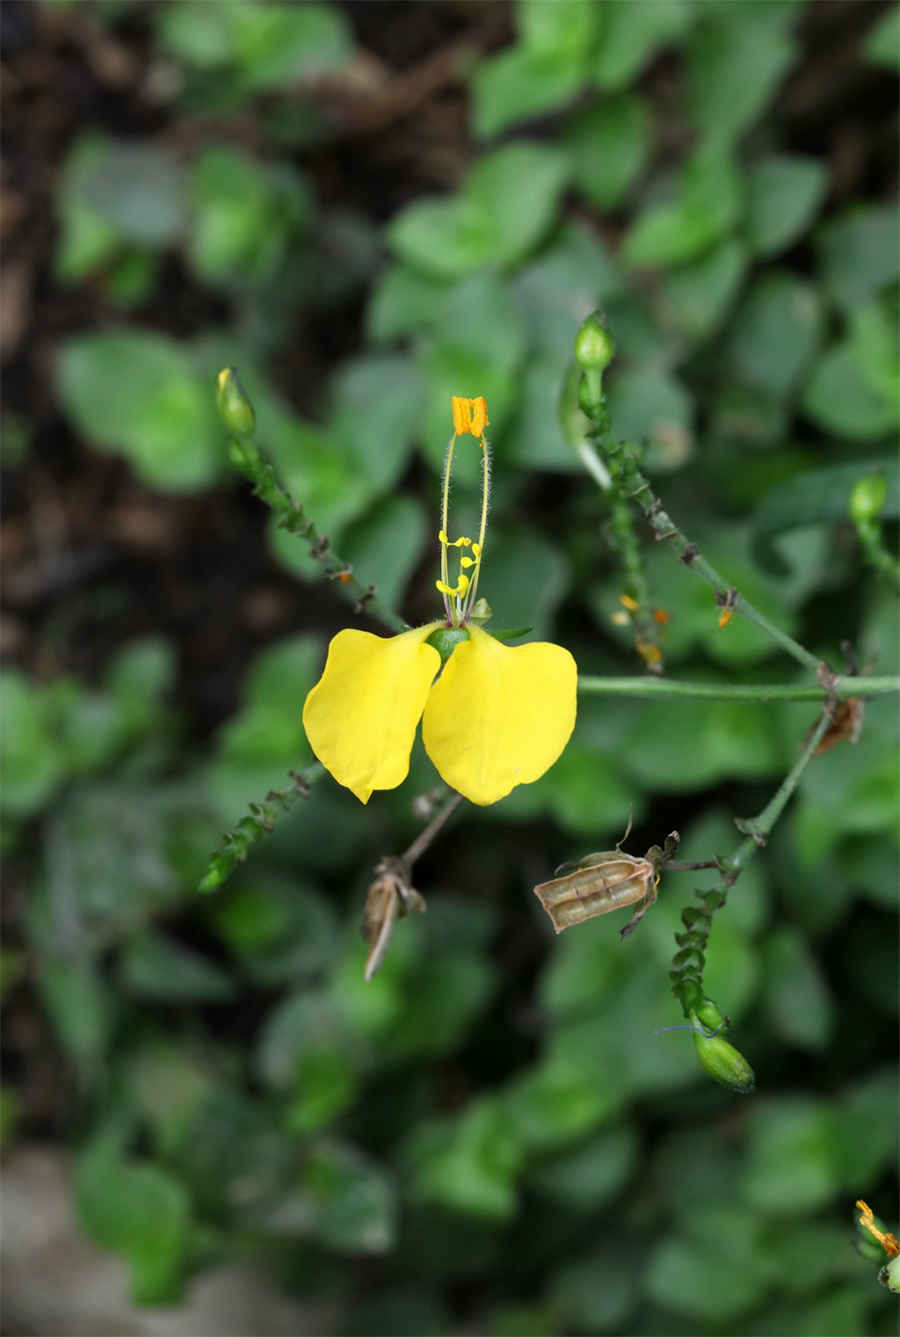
x=493, y=1134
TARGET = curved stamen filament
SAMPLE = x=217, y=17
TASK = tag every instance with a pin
x=469, y=417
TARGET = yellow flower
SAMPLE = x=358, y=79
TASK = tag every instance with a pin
x=497, y=717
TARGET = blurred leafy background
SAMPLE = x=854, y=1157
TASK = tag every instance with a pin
x=367, y=207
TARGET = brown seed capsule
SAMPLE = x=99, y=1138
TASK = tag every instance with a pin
x=598, y=884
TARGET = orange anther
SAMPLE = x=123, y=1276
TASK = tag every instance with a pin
x=469, y=415
x=725, y=617
x=660, y=616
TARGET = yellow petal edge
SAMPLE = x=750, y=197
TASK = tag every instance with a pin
x=361, y=716
x=499, y=715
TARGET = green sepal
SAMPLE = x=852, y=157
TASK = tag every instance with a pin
x=446, y=639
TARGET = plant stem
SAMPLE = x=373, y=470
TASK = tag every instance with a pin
x=843, y=688
x=688, y=963
x=627, y=477
x=247, y=457
x=237, y=842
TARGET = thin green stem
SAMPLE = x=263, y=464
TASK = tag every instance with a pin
x=840, y=688
x=236, y=843
x=290, y=515
x=688, y=963
x=628, y=479
x=760, y=827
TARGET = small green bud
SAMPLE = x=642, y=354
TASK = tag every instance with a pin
x=724, y=1063
x=234, y=407
x=890, y=1275
x=446, y=639
x=595, y=347
x=867, y=498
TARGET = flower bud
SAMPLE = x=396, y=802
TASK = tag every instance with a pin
x=890, y=1275
x=595, y=347
x=867, y=498
x=234, y=407
x=723, y=1062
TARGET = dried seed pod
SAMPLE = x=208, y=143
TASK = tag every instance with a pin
x=602, y=882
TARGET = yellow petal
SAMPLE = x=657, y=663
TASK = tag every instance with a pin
x=361, y=716
x=499, y=716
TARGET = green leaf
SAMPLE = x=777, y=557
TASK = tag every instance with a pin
x=705, y=209
x=34, y=756
x=587, y=1176
x=266, y=46
x=81, y=1007
x=792, y=1164
x=775, y=333
x=402, y=301
x=507, y=204
x=609, y=144
x=882, y=42
x=874, y=340
x=574, y=273
x=546, y=68
x=795, y=995
x=525, y=578
x=87, y=240
x=136, y=1209
x=631, y=34
x=137, y=393
x=155, y=966
x=477, y=349
x=705, y=742
x=737, y=58
x=596, y=1292
x=279, y=928
x=695, y=298
x=841, y=400
x=136, y=188
x=277, y=44
x=376, y=413
x=244, y=217
x=648, y=403
x=704, y=1281
x=343, y=1200
x=169, y=1084
x=865, y=1130
x=784, y=193
x=467, y=1164
x=858, y=253
x=518, y=84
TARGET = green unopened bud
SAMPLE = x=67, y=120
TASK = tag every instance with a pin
x=724, y=1063
x=234, y=407
x=867, y=498
x=890, y=1276
x=595, y=347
